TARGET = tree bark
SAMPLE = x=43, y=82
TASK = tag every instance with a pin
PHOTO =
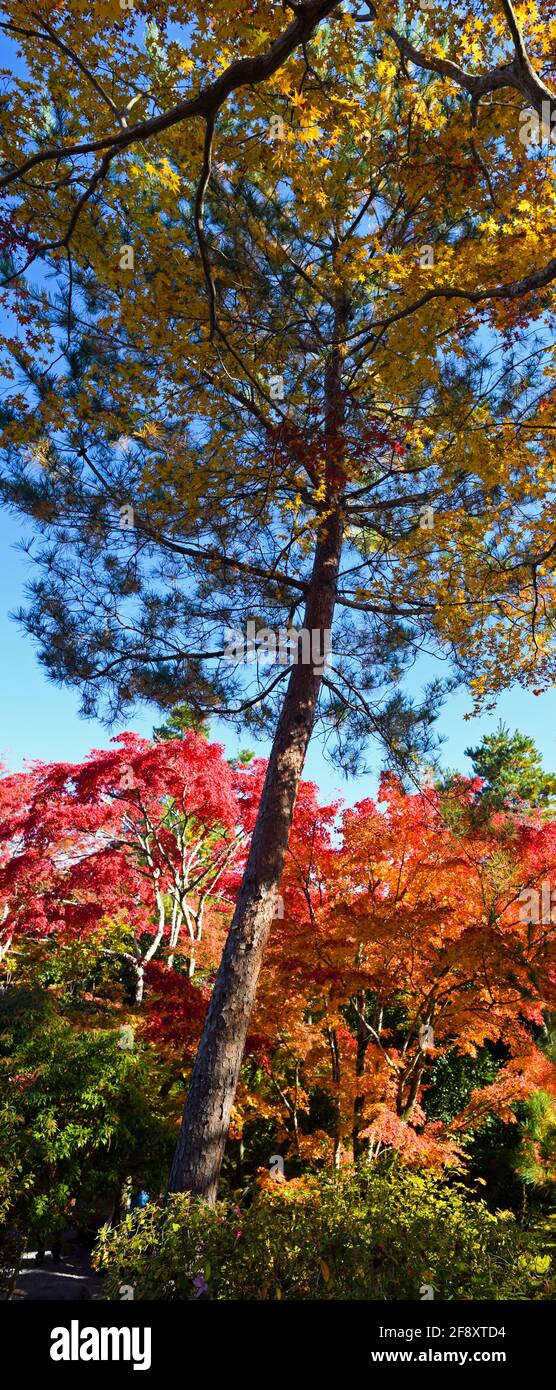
x=206, y=1118
x=363, y=1039
x=336, y=1077
x=202, y=1139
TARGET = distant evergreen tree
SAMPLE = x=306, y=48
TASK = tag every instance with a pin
x=512, y=770
x=181, y=720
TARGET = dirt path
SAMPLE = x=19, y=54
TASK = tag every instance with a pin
x=70, y=1278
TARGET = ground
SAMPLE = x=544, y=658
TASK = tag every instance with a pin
x=70, y=1278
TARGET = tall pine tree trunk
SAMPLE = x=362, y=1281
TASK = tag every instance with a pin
x=202, y=1139
x=206, y=1118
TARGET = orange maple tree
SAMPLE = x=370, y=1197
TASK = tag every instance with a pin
x=413, y=938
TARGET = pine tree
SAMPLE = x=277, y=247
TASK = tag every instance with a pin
x=181, y=718
x=511, y=767
x=270, y=405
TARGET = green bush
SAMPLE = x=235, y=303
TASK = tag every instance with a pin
x=79, y=1115
x=378, y=1232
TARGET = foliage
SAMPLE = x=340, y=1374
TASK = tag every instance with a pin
x=379, y=1232
x=537, y=1160
x=454, y=1075
x=148, y=833
x=179, y=719
x=401, y=1003
x=511, y=769
x=391, y=918
x=80, y=1115
x=404, y=957
x=153, y=386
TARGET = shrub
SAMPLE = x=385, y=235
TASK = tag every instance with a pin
x=371, y=1233
x=78, y=1116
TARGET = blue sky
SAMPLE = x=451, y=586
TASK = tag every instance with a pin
x=41, y=720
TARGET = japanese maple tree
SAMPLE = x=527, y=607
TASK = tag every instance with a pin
x=148, y=833
x=412, y=939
